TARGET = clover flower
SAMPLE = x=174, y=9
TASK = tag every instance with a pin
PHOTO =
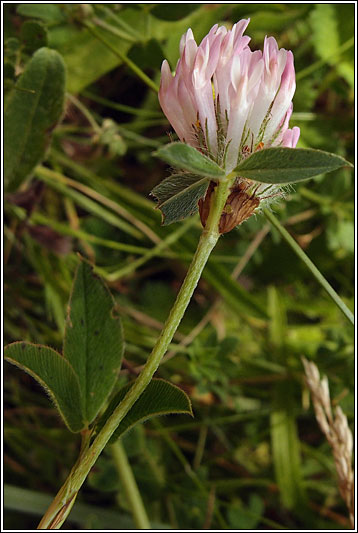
x=228, y=102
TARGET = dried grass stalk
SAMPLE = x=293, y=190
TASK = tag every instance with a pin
x=336, y=430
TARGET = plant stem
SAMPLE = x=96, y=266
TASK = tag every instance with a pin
x=130, y=486
x=307, y=261
x=138, y=71
x=60, y=507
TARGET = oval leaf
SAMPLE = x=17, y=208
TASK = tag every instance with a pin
x=55, y=374
x=184, y=156
x=33, y=35
x=32, y=110
x=159, y=398
x=93, y=341
x=178, y=196
x=288, y=165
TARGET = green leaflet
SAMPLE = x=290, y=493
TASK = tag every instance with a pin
x=93, y=341
x=183, y=156
x=47, y=12
x=288, y=165
x=81, y=380
x=55, y=374
x=33, y=35
x=32, y=110
x=159, y=398
x=178, y=196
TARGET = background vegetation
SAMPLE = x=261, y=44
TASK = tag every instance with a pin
x=253, y=455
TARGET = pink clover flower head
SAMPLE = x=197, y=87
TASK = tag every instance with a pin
x=226, y=100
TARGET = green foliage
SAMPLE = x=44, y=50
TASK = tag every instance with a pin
x=87, y=57
x=147, y=55
x=211, y=365
x=93, y=341
x=33, y=35
x=173, y=12
x=283, y=426
x=237, y=297
x=11, y=49
x=159, y=398
x=178, y=196
x=87, y=516
x=246, y=516
x=285, y=450
x=326, y=39
x=185, y=157
x=32, y=110
x=54, y=373
x=288, y=165
x=111, y=138
x=81, y=380
x=324, y=24
x=46, y=12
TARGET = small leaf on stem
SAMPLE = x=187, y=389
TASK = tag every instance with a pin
x=93, y=341
x=288, y=165
x=56, y=376
x=159, y=398
x=183, y=156
x=178, y=196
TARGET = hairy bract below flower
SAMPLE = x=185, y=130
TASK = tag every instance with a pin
x=228, y=102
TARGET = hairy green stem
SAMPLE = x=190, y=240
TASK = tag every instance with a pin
x=61, y=506
x=313, y=269
x=130, y=486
